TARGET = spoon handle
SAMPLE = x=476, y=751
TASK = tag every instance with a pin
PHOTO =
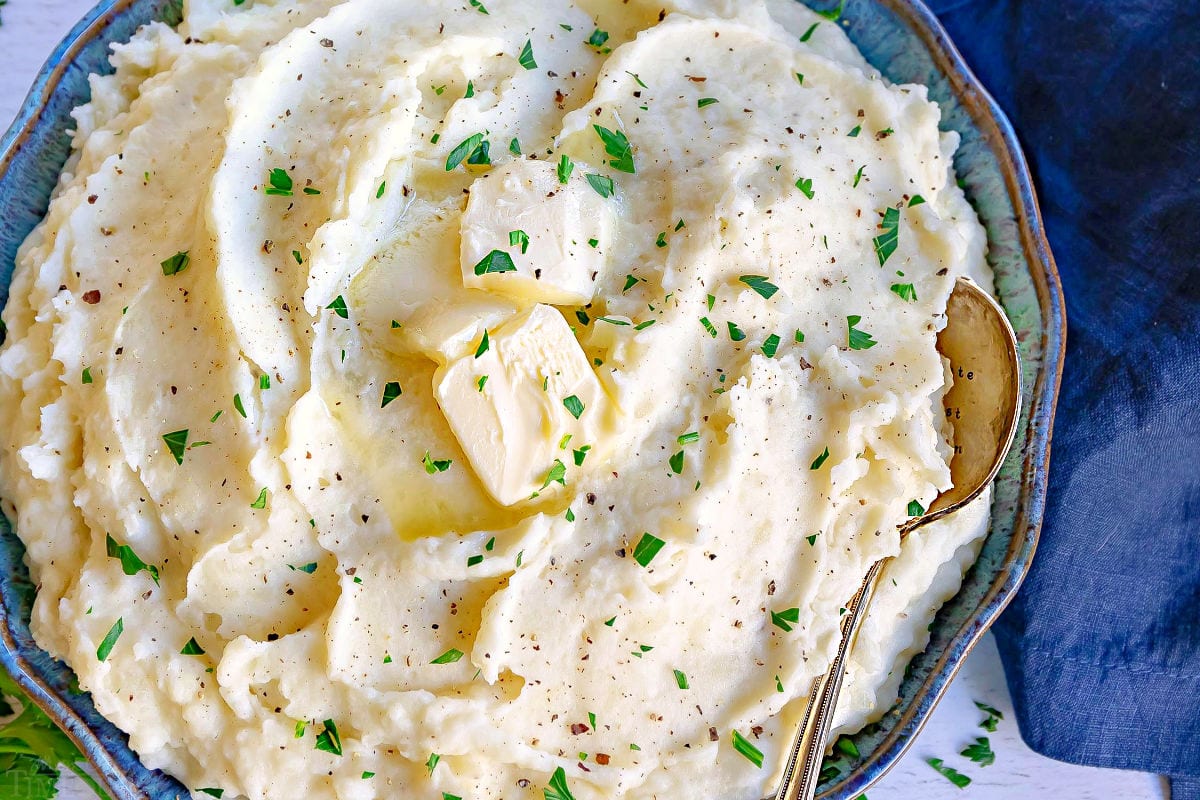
x=802, y=772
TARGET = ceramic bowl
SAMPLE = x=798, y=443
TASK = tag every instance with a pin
x=900, y=37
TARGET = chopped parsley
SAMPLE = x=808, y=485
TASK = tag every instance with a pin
x=557, y=474
x=464, y=148
x=279, y=183
x=519, y=237
x=307, y=569
x=311, y=191
x=382, y=188
x=616, y=144
x=906, y=291
x=213, y=792
x=470, y=90
x=680, y=679
x=784, y=620
x=328, y=740
x=760, y=284
x=885, y=243
x=131, y=564
x=846, y=747
x=799, y=78
x=598, y=40
x=689, y=438
x=391, y=390
x=993, y=716
x=264, y=380
x=482, y=154
x=602, y=184
x=805, y=185
x=834, y=14
x=819, y=460
x=647, y=548
x=192, y=648
x=557, y=789
x=87, y=375
x=176, y=443
x=526, y=58
x=858, y=175
x=661, y=241
x=580, y=454
x=481, y=382
x=630, y=282
x=735, y=333
x=260, y=502
x=708, y=326
x=449, y=657
x=484, y=344
x=565, y=167
x=676, y=462
x=770, y=345
x=706, y=101
x=636, y=78
x=804, y=37
x=915, y=200
x=495, y=261
x=478, y=6
x=915, y=509
x=367, y=775
x=980, y=752
x=433, y=466
x=949, y=773
x=514, y=147
x=338, y=306
x=744, y=745
x=237, y=405
x=574, y=405
x=177, y=263
x=855, y=131
x=110, y=639
x=858, y=340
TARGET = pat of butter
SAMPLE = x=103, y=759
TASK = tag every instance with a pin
x=539, y=387
x=568, y=227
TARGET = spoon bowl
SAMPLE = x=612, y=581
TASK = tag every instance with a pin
x=983, y=405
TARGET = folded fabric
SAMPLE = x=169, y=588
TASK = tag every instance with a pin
x=1102, y=644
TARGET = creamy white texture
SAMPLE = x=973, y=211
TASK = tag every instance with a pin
x=311, y=537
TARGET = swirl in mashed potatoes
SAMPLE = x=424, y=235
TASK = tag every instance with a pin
x=486, y=399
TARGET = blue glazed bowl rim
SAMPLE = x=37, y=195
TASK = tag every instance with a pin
x=1004, y=146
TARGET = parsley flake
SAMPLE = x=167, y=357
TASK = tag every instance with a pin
x=784, y=620
x=680, y=679
x=495, y=261
x=260, y=502
x=110, y=639
x=329, y=740
x=616, y=144
x=192, y=648
x=858, y=340
x=176, y=442
x=177, y=263
x=949, y=773
x=432, y=467
x=819, y=460
x=906, y=291
x=770, y=345
x=760, y=284
x=808, y=33
x=557, y=474
x=858, y=175
x=462, y=150
x=338, y=306
x=603, y=186
x=279, y=183
x=565, y=167
x=519, y=237
x=980, y=752
x=708, y=326
x=915, y=200
x=131, y=564
x=478, y=6
x=885, y=243
x=557, y=788
x=689, y=438
x=805, y=186
x=735, y=333
x=391, y=390
x=706, y=101
x=87, y=375
x=449, y=657
x=915, y=509
x=526, y=58
x=574, y=405
x=647, y=548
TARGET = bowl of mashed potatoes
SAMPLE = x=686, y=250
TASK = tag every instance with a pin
x=497, y=399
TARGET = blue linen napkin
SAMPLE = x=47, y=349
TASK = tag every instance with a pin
x=1102, y=644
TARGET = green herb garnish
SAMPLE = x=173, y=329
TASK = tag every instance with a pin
x=949, y=773
x=176, y=443
x=495, y=261
x=279, y=183
x=647, y=548
x=130, y=563
x=858, y=340
x=391, y=390
x=176, y=263
x=745, y=747
x=760, y=284
x=885, y=243
x=110, y=639
x=616, y=144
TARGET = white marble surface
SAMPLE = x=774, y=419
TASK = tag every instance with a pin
x=31, y=28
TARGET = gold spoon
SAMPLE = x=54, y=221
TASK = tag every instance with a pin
x=983, y=405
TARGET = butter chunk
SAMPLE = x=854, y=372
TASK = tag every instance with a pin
x=525, y=199
x=539, y=387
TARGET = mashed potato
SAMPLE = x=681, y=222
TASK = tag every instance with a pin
x=485, y=398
